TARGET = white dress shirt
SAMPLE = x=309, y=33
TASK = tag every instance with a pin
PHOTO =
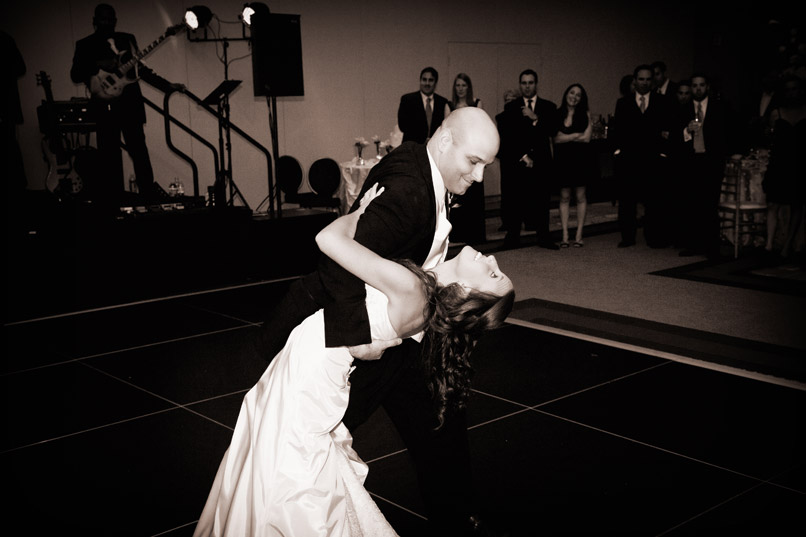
x=704, y=103
x=439, y=247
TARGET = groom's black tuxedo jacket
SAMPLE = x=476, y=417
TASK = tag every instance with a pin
x=399, y=224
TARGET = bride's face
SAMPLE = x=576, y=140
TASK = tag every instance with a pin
x=477, y=271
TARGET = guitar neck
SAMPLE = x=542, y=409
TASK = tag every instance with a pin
x=137, y=57
x=43, y=80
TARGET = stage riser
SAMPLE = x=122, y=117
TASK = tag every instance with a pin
x=87, y=261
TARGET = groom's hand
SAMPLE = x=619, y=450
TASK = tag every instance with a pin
x=374, y=350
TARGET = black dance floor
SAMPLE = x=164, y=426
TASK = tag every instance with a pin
x=116, y=419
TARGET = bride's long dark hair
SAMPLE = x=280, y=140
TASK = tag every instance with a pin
x=455, y=319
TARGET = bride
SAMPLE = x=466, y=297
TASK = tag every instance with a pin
x=290, y=469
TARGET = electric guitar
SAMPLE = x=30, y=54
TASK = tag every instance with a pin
x=108, y=86
x=62, y=176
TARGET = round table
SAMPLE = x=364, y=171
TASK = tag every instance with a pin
x=353, y=175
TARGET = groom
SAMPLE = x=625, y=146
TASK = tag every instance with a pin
x=408, y=221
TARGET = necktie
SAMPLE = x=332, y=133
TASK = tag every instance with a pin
x=699, y=142
x=642, y=103
x=532, y=108
x=429, y=113
x=448, y=202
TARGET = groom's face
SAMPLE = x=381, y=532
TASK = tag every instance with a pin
x=465, y=159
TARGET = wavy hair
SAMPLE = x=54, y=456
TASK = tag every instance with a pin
x=455, y=319
x=580, y=119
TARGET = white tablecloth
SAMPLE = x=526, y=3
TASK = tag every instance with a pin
x=353, y=175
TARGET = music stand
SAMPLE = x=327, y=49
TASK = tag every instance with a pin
x=222, y=90
x=220, y=98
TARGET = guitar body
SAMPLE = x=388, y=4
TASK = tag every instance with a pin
x=62, y=178
x=52, y=179
x=109, y=86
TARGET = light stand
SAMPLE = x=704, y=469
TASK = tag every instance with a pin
x=220, y=98
x=254, y=15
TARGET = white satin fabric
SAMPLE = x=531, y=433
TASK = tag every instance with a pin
x=290, y=469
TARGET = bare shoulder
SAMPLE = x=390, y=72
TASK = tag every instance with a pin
x=407, y=306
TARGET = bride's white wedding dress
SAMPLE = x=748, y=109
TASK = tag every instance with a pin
x=290, y=469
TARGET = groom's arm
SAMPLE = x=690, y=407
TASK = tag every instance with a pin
x=390, y=227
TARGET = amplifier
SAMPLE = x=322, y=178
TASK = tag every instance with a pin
x=65, y=116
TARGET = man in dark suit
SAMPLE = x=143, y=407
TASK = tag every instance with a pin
x=122, y=115
x=703, y=133
x=421, y=112
x=660, y=82
x=640, y=135
x=526, y=127
x=408, y=221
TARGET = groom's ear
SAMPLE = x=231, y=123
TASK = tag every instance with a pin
x=445, y=139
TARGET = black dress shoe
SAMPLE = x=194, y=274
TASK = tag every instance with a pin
x=626, y=244
x=548, y=245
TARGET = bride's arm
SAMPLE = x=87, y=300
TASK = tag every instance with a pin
x=336, y=241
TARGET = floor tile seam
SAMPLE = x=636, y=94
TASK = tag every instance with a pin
x=471, y=427
x=762, y=377
x=526, y=407
x=148, y=301
x=227, y=316
x=651, y=446
x=156, y=395
x=397, y=505
x=499, y=418
x=601, y=384
x=713, y=507
x=126, y=349
x=91, y=429
x=392, y=454
x=171, y=530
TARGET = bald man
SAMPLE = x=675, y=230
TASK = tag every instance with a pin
x=408, y=221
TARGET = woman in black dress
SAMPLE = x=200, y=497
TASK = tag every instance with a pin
x=574, y=159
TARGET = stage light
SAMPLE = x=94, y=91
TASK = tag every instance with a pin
x=198, y=17
x=252, y=9
x=246, y=14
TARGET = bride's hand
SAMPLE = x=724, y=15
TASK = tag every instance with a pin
x=374, y=350
x=369, y=195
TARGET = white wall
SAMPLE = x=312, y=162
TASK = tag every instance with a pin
x=358, y=58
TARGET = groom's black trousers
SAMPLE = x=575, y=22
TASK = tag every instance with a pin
x=396, y=382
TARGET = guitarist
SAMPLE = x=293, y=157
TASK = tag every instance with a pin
x=104, y=50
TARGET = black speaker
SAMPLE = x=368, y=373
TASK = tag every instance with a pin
x=277, y=56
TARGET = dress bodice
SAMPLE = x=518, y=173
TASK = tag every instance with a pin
x=572, y=128
x=378, y=311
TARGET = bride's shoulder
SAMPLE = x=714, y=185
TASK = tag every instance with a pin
x=407, y=305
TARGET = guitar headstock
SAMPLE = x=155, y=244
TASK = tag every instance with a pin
x=42, y=79
x=172, y=30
